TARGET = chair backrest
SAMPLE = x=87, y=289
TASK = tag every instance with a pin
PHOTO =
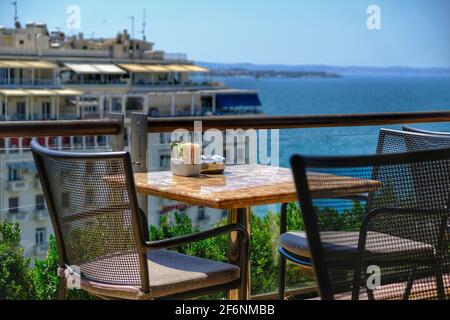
x=393, y=141
x=92, y=203
x=399, y=234
x=416, y=130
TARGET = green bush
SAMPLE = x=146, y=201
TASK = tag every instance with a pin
x=45, y=276
x=15, y=273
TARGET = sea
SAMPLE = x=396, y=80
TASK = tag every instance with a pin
x=345, y=95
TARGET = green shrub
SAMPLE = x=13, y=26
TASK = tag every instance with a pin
x=45, y=276
x=15, y=273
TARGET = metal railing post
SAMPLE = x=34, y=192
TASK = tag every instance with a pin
x=117, y=141
x=139, y=151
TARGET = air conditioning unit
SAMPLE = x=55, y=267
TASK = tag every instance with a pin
x=17, y=186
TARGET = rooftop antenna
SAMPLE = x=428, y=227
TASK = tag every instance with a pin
x=132, y=27
x=16, y=18
x=144, y=25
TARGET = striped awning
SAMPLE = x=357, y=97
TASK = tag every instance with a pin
x=39, y=92
x=88, y=68
x=24, y=64
x=161, y=68
x=194, y=68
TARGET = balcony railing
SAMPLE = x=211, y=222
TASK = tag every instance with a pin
x=26, y=82
x=41, y=215
x=18, y=217
x=61, y=128
x=175, y=56
x=16, y=186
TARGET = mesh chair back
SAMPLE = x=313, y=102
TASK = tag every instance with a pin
x=394, y=245
x=392, y=141
x=92, y=203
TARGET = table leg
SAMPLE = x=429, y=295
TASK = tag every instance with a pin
x=241, y=216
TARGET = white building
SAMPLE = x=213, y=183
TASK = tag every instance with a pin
x=46, y=76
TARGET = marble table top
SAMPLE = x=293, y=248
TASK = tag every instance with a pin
x=246, y=185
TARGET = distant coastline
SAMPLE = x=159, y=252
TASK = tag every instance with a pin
x=317, y=71
x=271, y=73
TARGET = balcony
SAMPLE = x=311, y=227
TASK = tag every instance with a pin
x=41, y=215
x=25, y=83
x=175, y=56
x=17, y=186
x=18, y=217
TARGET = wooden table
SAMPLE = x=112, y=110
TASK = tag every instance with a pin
x=242, y=187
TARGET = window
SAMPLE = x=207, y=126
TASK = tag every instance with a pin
x=14, y=174
x=21, y=43
x=201, y=215
x=41, y=236
x=21, y=110
x=13, y=205
x=102, y=140
x=40, y=202
x=46, y=110
x=164, y=161
x=164, y=138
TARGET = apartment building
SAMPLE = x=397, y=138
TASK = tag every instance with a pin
x=45, y=75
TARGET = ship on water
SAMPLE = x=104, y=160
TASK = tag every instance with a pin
x=46, y=75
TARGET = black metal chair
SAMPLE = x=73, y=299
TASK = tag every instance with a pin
x=102, y=236
x=396, y=245
x=389, y=141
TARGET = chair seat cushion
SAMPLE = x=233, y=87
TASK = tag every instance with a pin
x=344, y=245
x=170, y=273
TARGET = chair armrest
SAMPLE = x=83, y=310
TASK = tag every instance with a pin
x=179, y=241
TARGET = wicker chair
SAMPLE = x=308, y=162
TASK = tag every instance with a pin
x=395, y=245
x=102, y=237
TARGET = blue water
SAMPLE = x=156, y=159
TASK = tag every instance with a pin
x=350, y=94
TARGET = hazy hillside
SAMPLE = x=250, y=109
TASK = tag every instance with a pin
x=325, y=68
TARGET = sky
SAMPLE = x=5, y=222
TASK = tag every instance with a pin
x=413, y=32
